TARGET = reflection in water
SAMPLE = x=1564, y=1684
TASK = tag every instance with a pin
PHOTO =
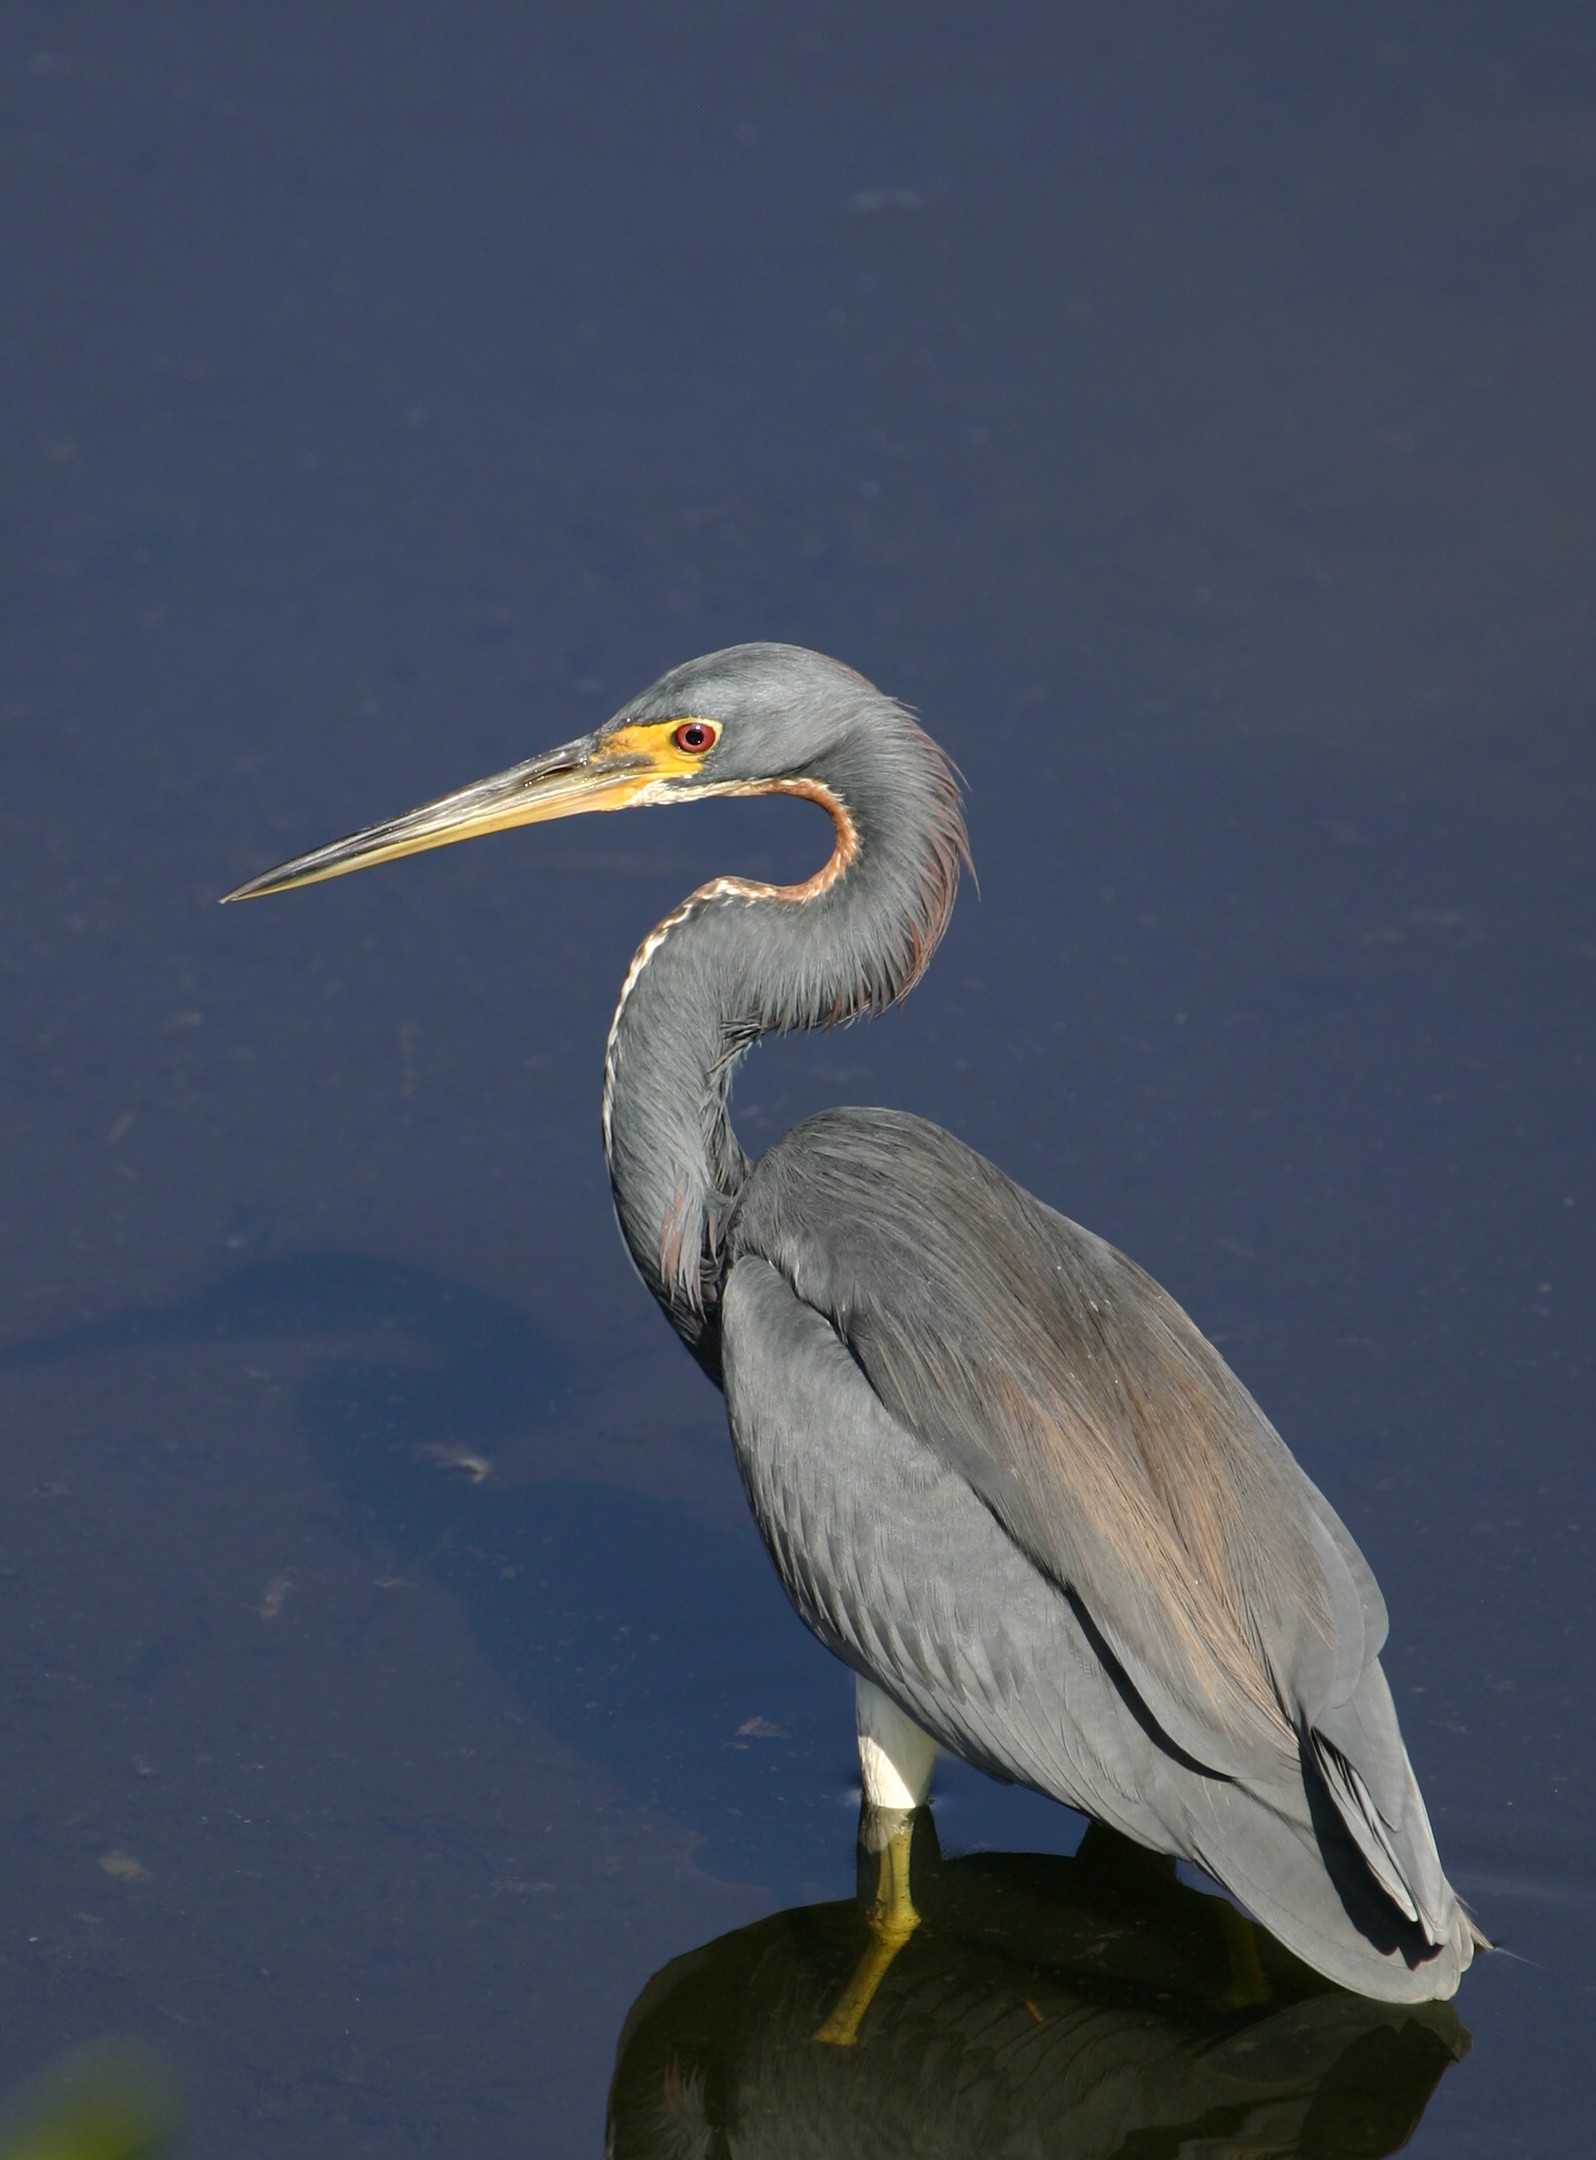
x=1072, y=2007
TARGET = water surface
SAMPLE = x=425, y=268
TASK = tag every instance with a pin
x=1189, y=411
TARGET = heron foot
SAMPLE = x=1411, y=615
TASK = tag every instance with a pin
x=892, y=1919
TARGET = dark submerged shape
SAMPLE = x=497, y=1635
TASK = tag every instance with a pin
x=1000, y=1472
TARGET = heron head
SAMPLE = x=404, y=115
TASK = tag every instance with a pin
x=736, y=720
x=731, y=723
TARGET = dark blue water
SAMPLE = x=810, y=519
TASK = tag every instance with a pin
x=1189, y=410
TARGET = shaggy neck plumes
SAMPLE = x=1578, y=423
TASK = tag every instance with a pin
x=738, y=960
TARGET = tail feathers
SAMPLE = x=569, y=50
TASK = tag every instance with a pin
x=1374, y=1837
x=1298, y=1869
x=1358, y=1752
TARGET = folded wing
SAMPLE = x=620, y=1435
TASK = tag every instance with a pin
x=1117, y=1452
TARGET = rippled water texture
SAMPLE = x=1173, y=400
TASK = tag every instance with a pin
x=1189, y=409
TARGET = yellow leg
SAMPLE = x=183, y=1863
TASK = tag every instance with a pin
x=1248, y=1987
x=892, y=1920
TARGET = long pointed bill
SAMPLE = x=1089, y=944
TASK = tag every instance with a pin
x=594, y=773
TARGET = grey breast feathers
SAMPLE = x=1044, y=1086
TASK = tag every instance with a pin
x=1100, y=1428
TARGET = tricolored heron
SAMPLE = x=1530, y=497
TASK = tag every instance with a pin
x=1001, y=1474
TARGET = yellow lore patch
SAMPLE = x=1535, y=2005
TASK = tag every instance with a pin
x=656, y=741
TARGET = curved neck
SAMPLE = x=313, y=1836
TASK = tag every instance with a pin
x=738, y=960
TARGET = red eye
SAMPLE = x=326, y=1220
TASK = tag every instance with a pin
x=695, y=737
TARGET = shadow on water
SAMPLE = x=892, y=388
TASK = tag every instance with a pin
x=1073, y=2006
x=609, y=1613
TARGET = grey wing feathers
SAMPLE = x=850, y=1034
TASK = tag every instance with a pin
x=900, y=1569
x=1076, y=1398
x=1117, y=1458
x=903, y=1572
